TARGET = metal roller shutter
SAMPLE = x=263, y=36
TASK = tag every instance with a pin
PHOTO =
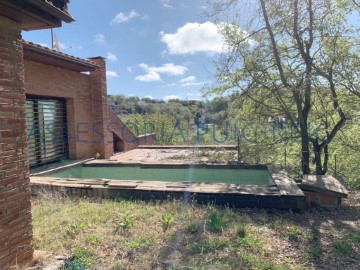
x=47, y=132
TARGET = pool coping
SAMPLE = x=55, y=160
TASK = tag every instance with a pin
x=284, y=194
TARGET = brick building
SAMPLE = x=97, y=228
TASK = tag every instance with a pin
x=52, y=106
x=67, y=109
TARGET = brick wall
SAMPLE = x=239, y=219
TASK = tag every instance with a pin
x=101, y=111
x=90, y=121
x=117, y=126
x=50, y=81
x=15, y=214
x=147, y=139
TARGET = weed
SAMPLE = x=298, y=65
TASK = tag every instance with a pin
x=167, y=219
x=262, y=217
x=82, y=258
x=342, y=247
x=141, y=242
x=314, y=235
x=178, y=157
x=124, y=222
x=249, y=242
x=278, y=225
x=354, y=236
x=195, y=248
x=94, y=239
x=254, y=262
x=216, y=223
x=75, y=228
x=193, y=228
x=294, y=233
x=203, y=153
x=214, y=244
x=119, y=266
x=241, y=230
x=315, y=252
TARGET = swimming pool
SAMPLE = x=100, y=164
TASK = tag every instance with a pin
x=229, y=174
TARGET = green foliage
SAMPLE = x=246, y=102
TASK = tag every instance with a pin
x=216, y=222
x=94, y=239
x=75, y=227
x=254, y=262
x=354, y=236
x=193, y=228
x=342, y=246
x=208, y=246
x=250, y=242
x=123, y=222
x=167, y=219
x=241, y=230
x=315, y=252
x=284, y=72
x=82, y=259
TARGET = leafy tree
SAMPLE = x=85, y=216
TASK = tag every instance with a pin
x=292, y=59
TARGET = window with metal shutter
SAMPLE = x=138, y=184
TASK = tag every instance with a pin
x=47, y=132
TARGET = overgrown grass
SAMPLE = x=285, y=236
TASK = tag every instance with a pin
x=168, y=235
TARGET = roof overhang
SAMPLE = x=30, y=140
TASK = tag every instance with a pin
x=44, y=55
x=35, y=14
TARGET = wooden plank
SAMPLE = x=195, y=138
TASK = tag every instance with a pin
x=287, y=185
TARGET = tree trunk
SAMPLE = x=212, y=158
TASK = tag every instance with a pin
x=305, y=154
x=321, y=167
x=317, y=154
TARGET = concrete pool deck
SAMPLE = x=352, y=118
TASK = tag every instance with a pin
x=284, y=194
x=180, y=154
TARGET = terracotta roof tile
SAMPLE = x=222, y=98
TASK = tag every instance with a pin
x=28, y=44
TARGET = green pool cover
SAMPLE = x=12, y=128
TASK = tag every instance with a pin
x=171, y=174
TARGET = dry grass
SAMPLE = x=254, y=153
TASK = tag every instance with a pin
x=131, y=235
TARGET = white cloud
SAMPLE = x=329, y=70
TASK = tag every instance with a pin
x=99, y=39
x=149, y=77
x=149, y=97
x=145, y=17
x=192, y=38
x=167, y=98
x=153, y=73
x=125, y=17
x=189, y=79
x=169, y=69
x=111, y=74
x=111, y=57
x=166, y=3
x=129, y=69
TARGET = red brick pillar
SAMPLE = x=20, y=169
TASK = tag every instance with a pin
x=15, y=195
x=103, y=138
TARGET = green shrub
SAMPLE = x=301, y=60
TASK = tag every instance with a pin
x=167, y=219
x=82, y=259
x=216, y=222
x=124, y=222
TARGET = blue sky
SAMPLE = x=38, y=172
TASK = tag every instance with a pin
x=157, y=48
